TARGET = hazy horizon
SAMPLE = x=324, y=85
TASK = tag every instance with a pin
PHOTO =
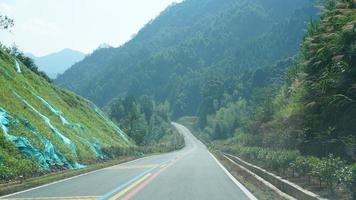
x=50, y=26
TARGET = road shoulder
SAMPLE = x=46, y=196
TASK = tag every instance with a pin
x=234, y=180
x=254, y=185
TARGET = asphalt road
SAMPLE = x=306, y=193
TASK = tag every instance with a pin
x=191, y=173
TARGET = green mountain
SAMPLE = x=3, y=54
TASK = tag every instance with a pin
x=192, y=48
x=46, y=128
x=56, y=63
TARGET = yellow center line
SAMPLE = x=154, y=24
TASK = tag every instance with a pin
x=119, y=194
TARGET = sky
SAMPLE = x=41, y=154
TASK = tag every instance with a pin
x=47, y=26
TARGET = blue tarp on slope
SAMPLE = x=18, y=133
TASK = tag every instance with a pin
x=54, y=111
x=47, y=121
x=48, y=157
x=95, y=147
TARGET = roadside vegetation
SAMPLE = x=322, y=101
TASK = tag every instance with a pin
x=299, y=124
x=329, y=176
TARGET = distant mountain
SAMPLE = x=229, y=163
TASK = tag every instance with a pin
x=56, y=63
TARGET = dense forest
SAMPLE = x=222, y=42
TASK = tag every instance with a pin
x=316, y=100
x=144, y=121
x=193, y=48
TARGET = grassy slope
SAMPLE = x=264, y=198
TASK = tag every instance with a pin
x=77, y=110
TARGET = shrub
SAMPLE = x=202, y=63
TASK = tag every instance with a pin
x=250, y=152
x=275, y=159
x=347, y=175
x=6, y=173
x=304, y=165
x=331, y=170
x=262, y=154
x=271, y=159
x=13, y=168
x=285, y=158
x=327, y=169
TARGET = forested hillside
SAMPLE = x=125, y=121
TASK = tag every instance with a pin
x=314, y=109
x=307, y=125
x=44, y=128
x=194, y=53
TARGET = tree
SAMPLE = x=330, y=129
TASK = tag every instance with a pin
x=117, y=110
x=147, y=107
x=136, y=123
x=163, y=110
x=212, y=92
x=220, y=131
x=129, y=104
x=6, y=22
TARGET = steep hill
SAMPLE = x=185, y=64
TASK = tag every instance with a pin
x=43, y=127
x=314, y=109
x=190, y=44
x=325, y=76
x=56, y=63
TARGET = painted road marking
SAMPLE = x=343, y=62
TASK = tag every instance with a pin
x=121, y=193
x=133, y=167
x=70, y=178
x=238, y=184
x=129, y=182
x=144, y=184
x=58, y=198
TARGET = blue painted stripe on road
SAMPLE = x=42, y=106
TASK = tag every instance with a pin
x=122, y=186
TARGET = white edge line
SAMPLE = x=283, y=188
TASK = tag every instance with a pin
x=70, y=178
x=268, y=184
x=243, y=188
x=285, y=181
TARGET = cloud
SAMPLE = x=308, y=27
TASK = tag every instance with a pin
x=38, y=26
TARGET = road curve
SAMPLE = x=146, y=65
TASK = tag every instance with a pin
x=191, y=173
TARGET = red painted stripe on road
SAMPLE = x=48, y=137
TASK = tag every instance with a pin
x=148, y=181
